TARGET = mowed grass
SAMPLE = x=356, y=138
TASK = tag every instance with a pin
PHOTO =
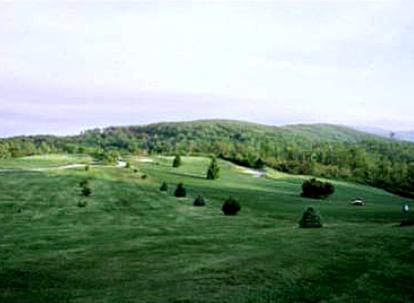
x=43, y=161
x=133, y=243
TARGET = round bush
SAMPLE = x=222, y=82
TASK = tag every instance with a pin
x=317, y=189
x=231, y=207
x=407, y=222
x=180, y=191
x=199, y=201
x=143, y=177
x=310, y=218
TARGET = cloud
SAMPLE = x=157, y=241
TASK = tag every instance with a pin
x=272, y=61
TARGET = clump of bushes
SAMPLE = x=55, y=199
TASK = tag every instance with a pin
x=213, y=171
x=310, y=218
x=199, y=201
x=317, y=189
x=164, y=186
x=177, y=161
x=231, y=207
x=180, y=191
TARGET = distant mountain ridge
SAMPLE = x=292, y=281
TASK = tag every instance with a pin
x=310, y=132
x=399, y=135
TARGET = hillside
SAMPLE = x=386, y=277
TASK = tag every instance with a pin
x=133, y=243
x=319, y=149
x=237, y=130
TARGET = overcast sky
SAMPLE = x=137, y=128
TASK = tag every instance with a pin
x=70, y=65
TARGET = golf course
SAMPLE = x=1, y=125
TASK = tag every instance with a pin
x=128, y=241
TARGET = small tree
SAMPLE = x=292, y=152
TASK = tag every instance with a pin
x=231, y=207
x=84, y=183
x=87, y=167
x=310, y=218
x=127, y=165
x=86, y=191
x=213, y=171
x=177, y=161
x=259, y=163
x=180, y=191
x=199, y=201
x=164, y=186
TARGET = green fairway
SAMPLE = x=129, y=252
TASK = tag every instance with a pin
x=134, y=243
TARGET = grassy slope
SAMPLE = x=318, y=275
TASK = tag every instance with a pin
x=132, y=243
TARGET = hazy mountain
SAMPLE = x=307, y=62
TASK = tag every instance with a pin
x=400, y=135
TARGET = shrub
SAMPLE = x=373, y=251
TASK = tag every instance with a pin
x=82, y=203
x=143, y=177
x=87, y=167
x=127, y=165
x=180, y=191
x=213, y=171
x=199, y=201
x=84, y=183
x=317, y=189
x=86, y=191
x=164, y=186
x=177, y=161
x=135, y=170
x=407, y=222
x=231, y=207
x=310, y=218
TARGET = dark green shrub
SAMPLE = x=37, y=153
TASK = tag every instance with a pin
x=177, y=161
x=310, y=218
x=317, y=189
x=199, y=201
x=84, y=183
x=231, y=207
x=135, y=170
x=407, y=222
x=143, y=177
x=164, y=186
x=82, y=203
x=213, y=171
x=87, y=167
x=180, y=191
x=86, y=191
x=127, y=165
